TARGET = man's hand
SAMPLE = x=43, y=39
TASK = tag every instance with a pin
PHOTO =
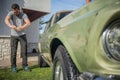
x=13, y=26
x=18, y=29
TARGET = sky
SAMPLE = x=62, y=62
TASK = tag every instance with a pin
x=57, y=5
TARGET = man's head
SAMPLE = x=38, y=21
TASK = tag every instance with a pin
x=88, y=1
x=16, y=9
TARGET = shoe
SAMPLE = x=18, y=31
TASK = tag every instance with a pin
x=26, y=68
x=14, y=69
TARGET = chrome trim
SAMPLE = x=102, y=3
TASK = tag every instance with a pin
x=58, y=72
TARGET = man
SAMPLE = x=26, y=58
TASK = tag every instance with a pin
x=88, y=1
x=18, y=22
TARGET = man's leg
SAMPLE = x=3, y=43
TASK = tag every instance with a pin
x=14, y=44
x=23, y=43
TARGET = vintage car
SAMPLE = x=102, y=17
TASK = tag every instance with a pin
x=85, y=44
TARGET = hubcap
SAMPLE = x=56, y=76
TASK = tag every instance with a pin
x=58, y=71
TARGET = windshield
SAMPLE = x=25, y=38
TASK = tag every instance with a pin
x=53, y=20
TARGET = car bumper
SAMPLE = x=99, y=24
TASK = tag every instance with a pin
x=92, y=76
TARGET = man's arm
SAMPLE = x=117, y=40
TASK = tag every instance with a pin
x=7, y=21
x=27, y=24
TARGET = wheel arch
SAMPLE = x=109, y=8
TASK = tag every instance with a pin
x=54, y=45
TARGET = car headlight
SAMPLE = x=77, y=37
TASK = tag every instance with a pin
x=111, y=40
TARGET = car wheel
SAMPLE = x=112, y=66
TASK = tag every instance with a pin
x=41, y=61
x=63, y=68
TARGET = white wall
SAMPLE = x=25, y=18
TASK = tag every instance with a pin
x=33, y=32
x=38, y=5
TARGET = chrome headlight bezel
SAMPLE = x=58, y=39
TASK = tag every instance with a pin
x=111, y=40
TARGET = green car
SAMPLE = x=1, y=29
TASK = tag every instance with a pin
x=85, y=44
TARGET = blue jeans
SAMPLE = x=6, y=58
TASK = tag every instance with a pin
x=14, y=45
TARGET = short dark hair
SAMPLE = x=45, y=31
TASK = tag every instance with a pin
x=15, y=6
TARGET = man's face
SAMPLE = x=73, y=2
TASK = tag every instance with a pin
x=16, y=11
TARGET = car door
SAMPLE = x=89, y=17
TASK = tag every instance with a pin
x=44, y=37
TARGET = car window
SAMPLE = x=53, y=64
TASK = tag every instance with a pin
x=47, y=26
x=60, y=16
x=55, y=19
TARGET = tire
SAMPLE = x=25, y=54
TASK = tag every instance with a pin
x=41, y=61
x=63, y=67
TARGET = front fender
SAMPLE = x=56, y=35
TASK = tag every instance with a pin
x=68, y=47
